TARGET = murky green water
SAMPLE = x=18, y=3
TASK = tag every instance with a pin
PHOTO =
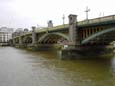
x=25, y=68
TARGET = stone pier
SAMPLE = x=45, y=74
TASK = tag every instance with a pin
x=74, y=43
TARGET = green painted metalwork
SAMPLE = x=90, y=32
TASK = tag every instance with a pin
x=58, y=34
x=91, y=22
x=106, y=20
x=97, y=34
x=26, y=38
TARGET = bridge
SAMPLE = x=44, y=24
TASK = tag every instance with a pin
x=77, y=37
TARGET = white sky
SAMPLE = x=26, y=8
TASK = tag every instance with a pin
x=27, y=13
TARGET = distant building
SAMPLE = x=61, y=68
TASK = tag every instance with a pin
x=5, y=34
x=19, y=31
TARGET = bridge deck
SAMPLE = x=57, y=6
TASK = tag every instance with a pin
x=97, y=21
x=91, y=22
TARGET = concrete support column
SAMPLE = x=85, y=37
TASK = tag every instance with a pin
x=73, y=30
x=13, y=42
x=33, y=35
x=20, y=40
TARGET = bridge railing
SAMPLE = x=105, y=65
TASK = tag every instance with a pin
x=53, y=28
x=97, y=20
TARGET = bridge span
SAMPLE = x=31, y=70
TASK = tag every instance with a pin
x=77, y=37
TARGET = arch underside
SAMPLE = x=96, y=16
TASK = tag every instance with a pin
x=27, y=40
x=53, y=38
x=16, y=40
x=104, y=37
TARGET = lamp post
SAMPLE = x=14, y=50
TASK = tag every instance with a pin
x=87, y=10
x=63, y=20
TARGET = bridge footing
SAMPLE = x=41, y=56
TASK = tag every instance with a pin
x=87, y=52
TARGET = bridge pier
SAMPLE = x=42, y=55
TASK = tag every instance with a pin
x=20, y=41
x=33, y=35
x=91, y=52
x=73, y=31
x=34, y=45
x=74, y=42
x=76, y=49
x=13, y=42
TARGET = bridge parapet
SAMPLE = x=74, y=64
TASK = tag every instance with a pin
x=97, y=20
x=100, y=20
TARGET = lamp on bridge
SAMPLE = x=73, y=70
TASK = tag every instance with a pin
x=63, y=20
x=87, y=10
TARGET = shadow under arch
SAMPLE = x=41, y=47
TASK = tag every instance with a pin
x=45, y=36
x=27, y=39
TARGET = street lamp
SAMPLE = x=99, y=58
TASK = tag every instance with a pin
x=87, y=10
x=63, y=20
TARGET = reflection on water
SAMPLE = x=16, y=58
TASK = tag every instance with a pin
x=26, y=68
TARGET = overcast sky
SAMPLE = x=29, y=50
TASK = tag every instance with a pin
x=27, y=13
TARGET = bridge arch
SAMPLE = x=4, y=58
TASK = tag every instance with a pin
x=53, y=38
x=27, y=40
x=98, y=34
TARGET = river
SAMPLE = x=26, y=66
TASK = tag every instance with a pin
x=26, y=68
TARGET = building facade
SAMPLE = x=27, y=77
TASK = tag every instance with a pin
x=5, y=34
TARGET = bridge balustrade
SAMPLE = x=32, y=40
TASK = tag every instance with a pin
x=97, y=20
